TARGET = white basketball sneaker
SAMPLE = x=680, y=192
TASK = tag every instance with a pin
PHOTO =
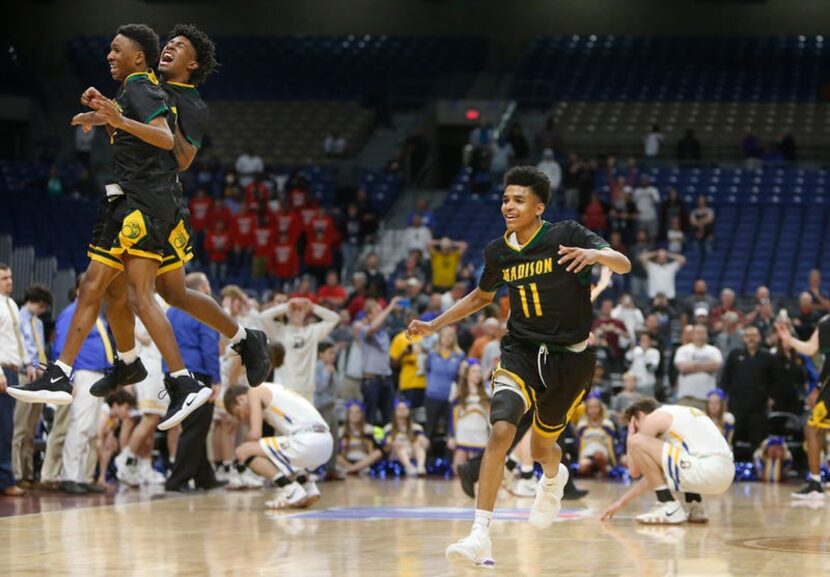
x=476, y=548
x=696, y=513
x=525, y=487
x=147, y=475
x=670, y=513
x=548, y=501
x=251, y=480
x=289, y=496
x=234, y=479
x=312, y=494
x=126, y=470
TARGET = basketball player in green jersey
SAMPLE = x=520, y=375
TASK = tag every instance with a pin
x=546, y=362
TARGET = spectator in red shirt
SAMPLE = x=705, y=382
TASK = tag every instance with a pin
x=287, y=221
x=727, y=304
x=217, y=247
x=257, y=194
x=321, y=221
x=298, y=191
x=220, y=211
x=200, y=207
x=611, y=335
x=332, y=294
x=264, y=235
x=594, y=218
x=285, y=263
x=319, y=256
x=242, y=235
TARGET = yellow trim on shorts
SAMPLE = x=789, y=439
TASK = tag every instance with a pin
x=527, y=393
x=549, y=431
x=105, y=259
x=137, y=252
x=271, y=442
x=819, y=417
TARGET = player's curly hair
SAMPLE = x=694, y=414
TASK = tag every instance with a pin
x=146, y=38
x=532, y=178
x=205, y=50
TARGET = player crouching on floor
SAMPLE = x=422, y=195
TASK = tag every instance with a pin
x=303, y=441
x=676, y=449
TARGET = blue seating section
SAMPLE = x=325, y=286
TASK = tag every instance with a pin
x=771, y=226
x=319, y=67
x=614, y=68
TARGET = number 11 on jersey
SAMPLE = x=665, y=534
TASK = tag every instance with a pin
x=534, y=297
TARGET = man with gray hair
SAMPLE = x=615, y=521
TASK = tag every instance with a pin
x=727, y=304
x=732, y=336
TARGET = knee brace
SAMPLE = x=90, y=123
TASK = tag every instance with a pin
x=506, y=406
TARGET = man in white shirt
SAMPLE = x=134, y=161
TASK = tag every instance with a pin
x=248, y=165
x=652, y=142
x=697, y=365
x=644, y=361
x=417, y=236
x=12, y=354
x=300, y=340
x=551, y=168
x=647, y=198
x=632, y=317
x=661, y=268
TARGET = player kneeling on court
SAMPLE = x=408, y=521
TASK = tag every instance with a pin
x=303, y=441
x=676, y=449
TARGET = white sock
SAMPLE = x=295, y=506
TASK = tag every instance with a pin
x=483, y=519
x=128, y=357
x=816, y=478
x=240, y=335
x=67, y=370
x=181, y=373
x=527, y=468
x=549, y=481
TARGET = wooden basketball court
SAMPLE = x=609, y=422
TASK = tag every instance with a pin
x=400, y=528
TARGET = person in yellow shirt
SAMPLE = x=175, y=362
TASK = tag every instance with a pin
x=407, y=358
x=445, y=256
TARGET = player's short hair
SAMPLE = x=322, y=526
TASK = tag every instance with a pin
x=645, y=405
x=38, y=293
x=231, y=394
x=205, y=50
x=4, y=266
x=529, y=177
x=195, y=280
x=277, y=354
x=146, y=39
x=121, y=397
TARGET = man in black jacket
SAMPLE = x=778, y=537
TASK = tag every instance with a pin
x=748, y=377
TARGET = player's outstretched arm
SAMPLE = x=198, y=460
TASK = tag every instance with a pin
x=473, y=302
x=809, y=347
x=640, y=488
x=578, y=258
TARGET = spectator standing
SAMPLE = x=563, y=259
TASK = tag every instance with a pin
x=319, y=256
x=334, y=145
x=422, y=209
x=218, y=249
x=628, y=396
x=248, y=165
x=331, y=295
x=700, y=298
x=748, y=378
x=417, y=236
x=264, y=237
x=300, y=340
x=647, y=198
x=375, y=280
x=632, y=317
x=727, y=304
x=792, y=372
x=36, y=302
x=376, y=386
x=327, y=385
x=502, y=156
x=595, y=217
x=652, y=142
x=731, y=337
x=409, y=359
x=351, y=233
x=697, y=364
x=675, y=237
x=644, y=361
x=639, y=276
x=200, y=206
x=673, y=207
x=807, y=318
x=551, y=169
x=242, y=238
x=445, y=256
x=442, y=368
x=688, y=147
x=661, y=269
x=611, y=336
x=820, y=299
x=12, y=357
x=702, y=221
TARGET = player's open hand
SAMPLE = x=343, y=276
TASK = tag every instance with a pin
x=577, y=258
x=609, y=513
x=108, y=110
x=418, y=328
x=782, y=329
x=89, y=94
